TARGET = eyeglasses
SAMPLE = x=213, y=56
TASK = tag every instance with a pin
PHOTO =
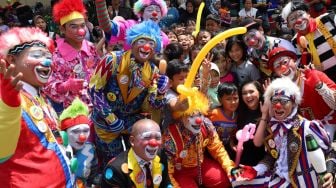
x=150, y=135
x=281, y=61
x=282, y=101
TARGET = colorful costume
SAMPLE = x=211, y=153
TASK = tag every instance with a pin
x=121, y=85
x=29, y=149
x=116, y=29
x=72, y=67
x=189, y=166
x=74, y=120
x=289, y=162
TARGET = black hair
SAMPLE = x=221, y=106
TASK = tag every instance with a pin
x=214, y=18
x=174, y=67
x=226, y=88
x=217, y=51
x=249, y=23
x=236, y=40
x=256, y=83
x=173, y=51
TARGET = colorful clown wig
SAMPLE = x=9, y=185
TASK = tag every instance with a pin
x=67, y=10
x=283, y=87
x=75, y=114
x=146, y=29
x=140, y=5
x=198, y=102
x=17, y=39
x=293, y=6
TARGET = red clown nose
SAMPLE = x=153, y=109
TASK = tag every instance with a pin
x=283, y=68
x=81, y=32
x=252, y=42
x=298, y=21
x=154, y=14
x=82, y=138
x=277, y=106
x=147, y=47
x=198, y=120
x=153, y=143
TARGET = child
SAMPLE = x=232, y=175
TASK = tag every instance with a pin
x=203, y=37
x=224, y=117
x=177, y=72
x=213, y=86
x=224, y=65
x=184, y=40
x=236, y=50
x=212, y=24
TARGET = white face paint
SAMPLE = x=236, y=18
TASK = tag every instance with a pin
x=150, y=152
x=152, y=12
x=193, y=123
x=298, y=20
x=78, y=135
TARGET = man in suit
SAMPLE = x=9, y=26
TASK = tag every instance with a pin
x=128, y=169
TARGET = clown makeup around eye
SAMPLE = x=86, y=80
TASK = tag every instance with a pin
x=150, y=135
x=294, y=16
x=142, y=42
x=281, y=61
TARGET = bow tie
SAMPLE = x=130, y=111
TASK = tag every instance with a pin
x=278, y=126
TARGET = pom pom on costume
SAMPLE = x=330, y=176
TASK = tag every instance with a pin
x=67, y=10
x=77, y=113
x=283, y=87
x=140, y=5
x=146, y=29
x=277, y=52
x=17, y=39
x=198, y=102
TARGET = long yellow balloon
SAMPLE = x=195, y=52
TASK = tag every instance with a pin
x=198, y=19
x=186, y=88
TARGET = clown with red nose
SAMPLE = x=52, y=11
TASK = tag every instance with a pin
x=186, y=142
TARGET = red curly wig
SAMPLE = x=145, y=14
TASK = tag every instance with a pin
x=67, y=10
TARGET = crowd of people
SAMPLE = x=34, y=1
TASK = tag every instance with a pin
x=95, y=94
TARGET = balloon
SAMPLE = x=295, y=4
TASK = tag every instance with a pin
x=186, y=88
x=198, y=20
x=242, y=136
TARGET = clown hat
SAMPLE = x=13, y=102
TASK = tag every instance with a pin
x=67, y=10
x=140, y=5
x=76, y=114
x=277, y=52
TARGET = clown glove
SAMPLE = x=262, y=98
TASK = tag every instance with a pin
x=10, y=85
x=313, y=77
x=115, y=124
x=162, y=84
x=73, y=84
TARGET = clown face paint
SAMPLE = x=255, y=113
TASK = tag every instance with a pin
x=35, y=64
x=152, y=12
x=147, y=144
x=299, y=21
x=254, y=39
x=78, y=135
x=281, y=107
x=193, y=123
x=285, y=67
x=74, y=31
x=143, y=49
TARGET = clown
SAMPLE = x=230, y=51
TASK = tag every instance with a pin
x=74, y=59
x=186, y=142
x=74, y=120
x=289, y=162
x=30, y=155
x=116, y=29
x=259, y=45
x=316, y=87
x=122, y=82
x=319, y=33
x=130, y=168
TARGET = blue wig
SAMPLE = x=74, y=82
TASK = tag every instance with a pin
x=146, y=29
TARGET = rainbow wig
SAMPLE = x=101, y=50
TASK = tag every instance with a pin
x=67, y=10
x=140, y=5
x=146, y=29
x=17, y=39
x=198, y=102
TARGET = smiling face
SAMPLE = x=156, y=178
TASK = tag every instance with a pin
x=78, y=135
x=236, y=53
x=152, y=12
x=281, y=107
x=250, y=96
x=254, y=39
x=35, y=65
x=299, y=21
x=285, y=67
x=74, y=31
x=193, y=122
x=203, y=37
x=146, y=139
x=143, y=49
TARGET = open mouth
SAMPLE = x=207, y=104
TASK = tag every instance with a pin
x=80, y=143
x=279, y=113
x=196, y=127
x=302, y=26
x=151, y=151
x=42, y=73
x=143, y=53
x=154, y=19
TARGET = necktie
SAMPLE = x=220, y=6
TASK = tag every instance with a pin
x=149, y=180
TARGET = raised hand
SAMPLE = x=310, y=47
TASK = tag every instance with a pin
x=73, y=85
x=10, y=84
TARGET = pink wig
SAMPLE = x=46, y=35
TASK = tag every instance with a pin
x=140, y=5
x=20, y=35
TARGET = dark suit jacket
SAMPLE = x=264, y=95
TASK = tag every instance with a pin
x=124, y=12
x=123, y=171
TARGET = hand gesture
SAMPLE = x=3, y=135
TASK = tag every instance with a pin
x=73, y=84
x=10, y=84
x=162, y=84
